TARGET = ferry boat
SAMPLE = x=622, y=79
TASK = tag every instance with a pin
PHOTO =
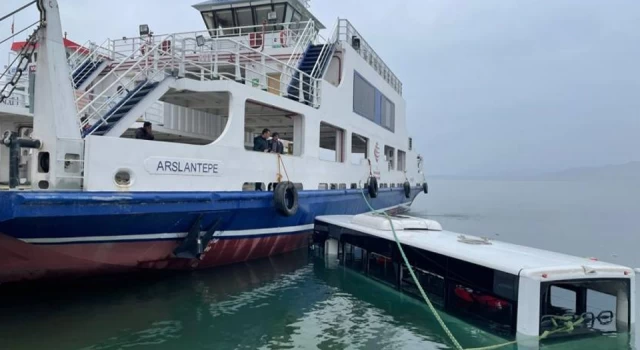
x=87, y=192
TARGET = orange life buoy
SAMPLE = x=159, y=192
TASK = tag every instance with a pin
x=283, y=38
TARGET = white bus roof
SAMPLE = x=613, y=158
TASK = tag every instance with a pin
x=536, y=263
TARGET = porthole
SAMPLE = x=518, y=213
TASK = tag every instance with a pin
x=122, y=178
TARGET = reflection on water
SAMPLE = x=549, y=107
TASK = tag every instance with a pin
x=293, y=301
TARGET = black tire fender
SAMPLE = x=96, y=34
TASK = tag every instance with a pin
x=285, y=198
x=425, y=187
x=372, y=187
x=407, y=189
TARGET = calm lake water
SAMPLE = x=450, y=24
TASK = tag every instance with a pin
x=298, y=301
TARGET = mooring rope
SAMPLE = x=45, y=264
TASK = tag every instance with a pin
x=567, y=326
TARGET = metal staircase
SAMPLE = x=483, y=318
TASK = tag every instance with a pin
x=314, y=63
x=133, y=85
x=87, y=72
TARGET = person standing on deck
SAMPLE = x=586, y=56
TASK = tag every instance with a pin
x=275, y=146
x=145, y=132
x=260, y=143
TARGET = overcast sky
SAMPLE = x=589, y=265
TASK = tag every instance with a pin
x=492, y=86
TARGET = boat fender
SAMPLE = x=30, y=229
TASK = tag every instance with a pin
x=372, y=187
x=407, y=189
x=425, y=187
x=285, y=197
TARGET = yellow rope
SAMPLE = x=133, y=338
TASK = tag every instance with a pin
x=279, y=176
x=567, y=327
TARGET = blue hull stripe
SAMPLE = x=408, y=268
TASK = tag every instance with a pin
x=43, y=217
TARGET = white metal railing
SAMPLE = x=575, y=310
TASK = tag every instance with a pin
x=307, y=37
x=220, y=53
x=346, y=32
x=286, y=34
x=325, y=54
x=145, y=68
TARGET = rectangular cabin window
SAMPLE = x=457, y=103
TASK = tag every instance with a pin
x=372, y=104
x=224, y=19
x=388, y=114
x=402, y=160
x=359, y=147
x=244, y=18
x=364, y=97
x=288, y=127
x=410, y=144
x=331, y=143
x=208, y=20
x=280, y=8
x=389, y=154
x=262, y=12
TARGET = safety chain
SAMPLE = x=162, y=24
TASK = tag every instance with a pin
x=24, y=56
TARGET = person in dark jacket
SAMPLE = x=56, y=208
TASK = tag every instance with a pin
x=145, y=132
x=260, y=143
x=275, y=146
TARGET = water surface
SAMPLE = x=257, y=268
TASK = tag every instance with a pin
x=297, y=301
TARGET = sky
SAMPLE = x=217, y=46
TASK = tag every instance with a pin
x=492, y=87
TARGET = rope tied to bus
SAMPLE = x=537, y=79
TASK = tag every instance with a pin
x=567, y=324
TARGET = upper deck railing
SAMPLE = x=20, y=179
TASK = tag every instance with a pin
x=346, y=32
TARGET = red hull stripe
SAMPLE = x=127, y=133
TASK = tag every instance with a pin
x=171, y=236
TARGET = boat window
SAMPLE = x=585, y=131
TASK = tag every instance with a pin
x=402, y=160
x=262, y=13
x=359, y=147
x=323, y=186
x=372, y=104
x=280, y=9
x=288, y=125
x=388, y=112
x=354, y=257
x=331, y=143
x=208, y=20
x=224, y=19
x=410, y=144
x=244, y=18
x=295, y=19
x=254, y=186
x=364, y=95
x=389, y=154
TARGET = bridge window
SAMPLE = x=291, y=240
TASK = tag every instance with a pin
x=261, y=13
x=244, y=18
x=359, y=146
x=331, y=143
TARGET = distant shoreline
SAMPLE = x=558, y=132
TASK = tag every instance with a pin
x=627, y=171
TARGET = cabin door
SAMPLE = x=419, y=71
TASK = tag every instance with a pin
x=273, y=83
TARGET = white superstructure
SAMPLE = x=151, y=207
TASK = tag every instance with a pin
x=337, y=107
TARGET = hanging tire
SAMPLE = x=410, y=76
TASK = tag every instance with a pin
x=372, y=187
x=285, y=197
x=407, y=189
x=425, y=188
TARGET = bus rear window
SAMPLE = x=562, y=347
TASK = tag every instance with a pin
x=592, y=306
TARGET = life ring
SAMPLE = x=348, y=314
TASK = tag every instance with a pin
x=283, y=38
x=372, y=187
x=407, y=189
x=425, y=187
x=285, y=197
